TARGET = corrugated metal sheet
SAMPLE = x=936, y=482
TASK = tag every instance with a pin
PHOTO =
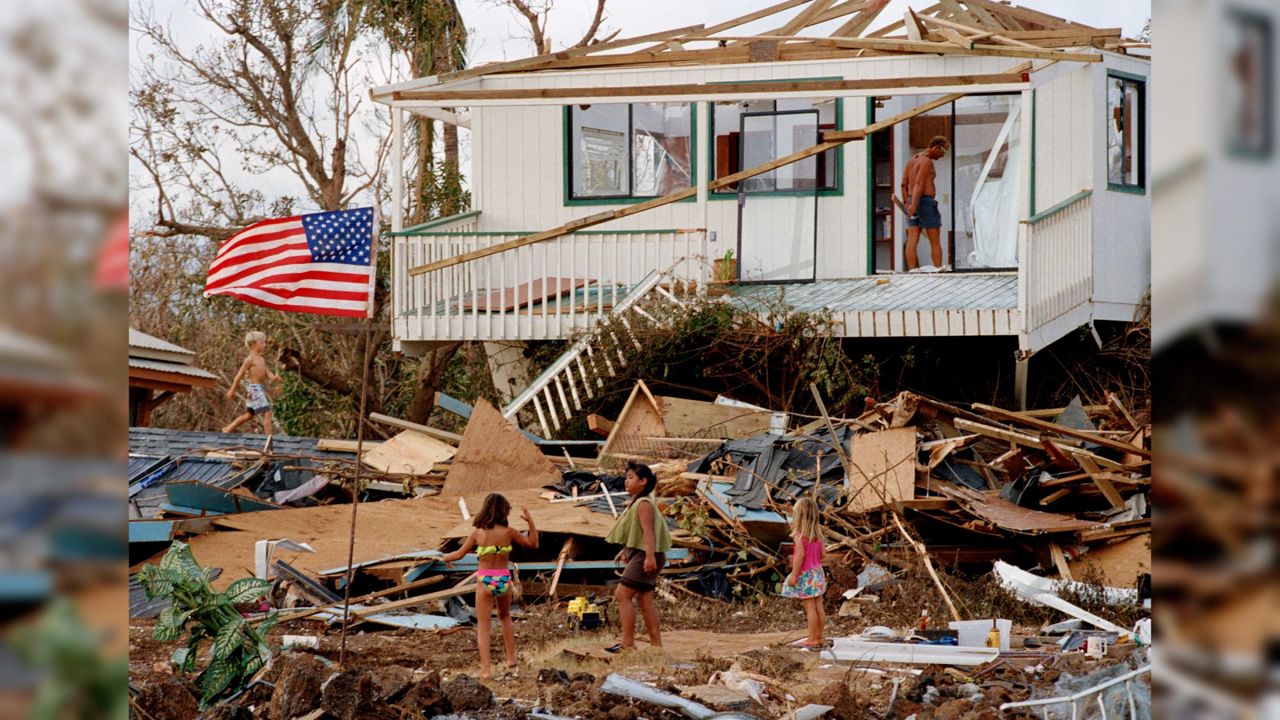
x=886, y=293
x=139, y=339
x=170, y=367
x=163, y=441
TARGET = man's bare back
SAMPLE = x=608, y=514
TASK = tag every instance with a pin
x=920, y=173
x=919, y=193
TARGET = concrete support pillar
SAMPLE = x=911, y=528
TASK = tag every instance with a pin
x=509, y=368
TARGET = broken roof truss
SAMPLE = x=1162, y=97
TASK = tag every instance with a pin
x=949, y=27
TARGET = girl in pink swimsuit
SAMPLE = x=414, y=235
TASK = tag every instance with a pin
x=807, y=581
x=493, y=541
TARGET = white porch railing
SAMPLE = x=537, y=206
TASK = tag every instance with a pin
x=537, y=292
x=1055, y=275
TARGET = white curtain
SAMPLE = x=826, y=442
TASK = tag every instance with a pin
x=994, y=204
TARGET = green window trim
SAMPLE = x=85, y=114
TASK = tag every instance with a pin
x=1032, y=210
x=837, y=191
x=1234, y=148
x=871, y=188
x=437, y=222
x=1140, y=188
x=571, y=201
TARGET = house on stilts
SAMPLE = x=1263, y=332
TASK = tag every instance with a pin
x=623, y=170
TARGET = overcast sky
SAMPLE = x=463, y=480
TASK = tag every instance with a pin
x=497, y=33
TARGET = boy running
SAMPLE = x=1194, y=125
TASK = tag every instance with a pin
x=256, y=367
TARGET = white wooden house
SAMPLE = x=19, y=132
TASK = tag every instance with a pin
x=1044, y=195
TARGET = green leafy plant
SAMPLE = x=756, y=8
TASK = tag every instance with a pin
x=77, y=681
x=690, y=516
x=726, y=270
x=239, y=649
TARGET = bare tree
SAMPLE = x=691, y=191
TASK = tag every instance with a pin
x=536, y=14
x=276, y=99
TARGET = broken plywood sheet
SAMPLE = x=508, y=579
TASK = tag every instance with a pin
x=566, y=518
x=887, y=464
x=1000, y=512
x=494, y=456
x=684, y=418
x=1119, y=563
x=383, y=529
x=411, y=452
x=639, y=421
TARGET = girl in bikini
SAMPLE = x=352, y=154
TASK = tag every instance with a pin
x=493, y=542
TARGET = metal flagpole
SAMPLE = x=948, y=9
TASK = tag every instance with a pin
x=364, y=399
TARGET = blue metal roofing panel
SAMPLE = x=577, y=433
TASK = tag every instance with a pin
x=880, y=293
x=163, y=441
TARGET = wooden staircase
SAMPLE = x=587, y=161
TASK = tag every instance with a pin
x=557, y=393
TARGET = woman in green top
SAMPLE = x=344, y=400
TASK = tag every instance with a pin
x=645, y=540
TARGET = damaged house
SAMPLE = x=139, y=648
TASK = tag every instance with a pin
x=639, y=166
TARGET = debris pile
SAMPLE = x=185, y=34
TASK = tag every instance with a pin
x=1048, y=498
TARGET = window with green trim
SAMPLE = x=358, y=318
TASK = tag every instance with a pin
x=727, y=145
x=639, y=150
x=1246, y=88
x=1126, y=136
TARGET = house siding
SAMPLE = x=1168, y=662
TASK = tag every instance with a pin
x=518, y=161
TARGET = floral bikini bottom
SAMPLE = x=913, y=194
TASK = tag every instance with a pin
x=497, y=581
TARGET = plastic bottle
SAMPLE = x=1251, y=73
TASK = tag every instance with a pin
x=993, y=638
x=924, y=619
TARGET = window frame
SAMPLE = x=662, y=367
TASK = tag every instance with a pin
x=837, y=191
x=632, y=199
x=1267, y=149
x=1140, y=188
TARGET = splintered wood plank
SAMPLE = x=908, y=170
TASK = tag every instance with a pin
x=1103, y=482
x=1060, y=562
x=1062, y=430
x=495, y=456
x=410, y=452
x=887, y=464
x=599, y=424
x=698, y=419
x=640, y=419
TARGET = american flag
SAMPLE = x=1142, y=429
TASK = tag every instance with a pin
x=319, y=263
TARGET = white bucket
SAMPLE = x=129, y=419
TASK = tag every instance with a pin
x=301, y=641
x=778, y=423
x=971, y=633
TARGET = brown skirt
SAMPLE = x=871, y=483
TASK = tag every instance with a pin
x=634, y=576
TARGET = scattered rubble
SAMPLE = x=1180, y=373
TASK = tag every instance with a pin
x=920, y=500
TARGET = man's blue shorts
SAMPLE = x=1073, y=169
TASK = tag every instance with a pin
x=927, y=214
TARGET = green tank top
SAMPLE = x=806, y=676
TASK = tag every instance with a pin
x=629, y=532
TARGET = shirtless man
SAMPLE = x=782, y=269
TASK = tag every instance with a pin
x=256, y=368
x=922, y=205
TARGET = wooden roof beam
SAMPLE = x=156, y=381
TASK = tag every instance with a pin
x=462, y=97
x=539, y=62
x=1049, y=22
x=991, y=35
x=860, y=22
x=862, y=133
x=915, y=29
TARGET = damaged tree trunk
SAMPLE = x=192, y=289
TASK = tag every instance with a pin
x=428, y=380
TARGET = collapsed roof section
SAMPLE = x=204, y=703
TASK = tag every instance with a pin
x=821, y=30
